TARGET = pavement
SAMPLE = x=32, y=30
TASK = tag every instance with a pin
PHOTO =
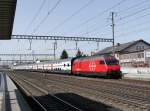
x=10, y=97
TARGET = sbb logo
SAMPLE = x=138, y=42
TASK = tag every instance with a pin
x=92, y=66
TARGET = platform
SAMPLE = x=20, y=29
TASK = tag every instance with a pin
x=10, y=97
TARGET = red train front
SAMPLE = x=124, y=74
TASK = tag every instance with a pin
x=106, y=66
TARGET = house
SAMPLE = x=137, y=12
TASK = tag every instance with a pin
x=135, y=53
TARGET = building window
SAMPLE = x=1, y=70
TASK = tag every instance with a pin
x=142, y=55
x=128, y=56
x=137, y=47
x=139, y=55
x=140, y=48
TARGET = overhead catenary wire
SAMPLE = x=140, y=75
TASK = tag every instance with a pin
x=129, y=15
x=139, y=24
x=133, y=6
x=132, y=20
x=98, y=15
x=94, y=29
x=91, y=29
x=118, y=23
x=99, y=27
x=35, y=16
x=134, y=13
x=132, y=32
x=47, y=15
x=72, y=15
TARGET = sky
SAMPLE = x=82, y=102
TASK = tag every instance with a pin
x=79, y=18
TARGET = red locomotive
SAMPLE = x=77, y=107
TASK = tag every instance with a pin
x=106, y=66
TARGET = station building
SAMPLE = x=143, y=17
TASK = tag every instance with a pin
x=131, y=54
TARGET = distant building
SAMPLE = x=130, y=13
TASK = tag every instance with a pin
x=93, y=52
x=135, y=53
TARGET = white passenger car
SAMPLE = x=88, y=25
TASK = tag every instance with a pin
x=62, y=66
x=58, y=65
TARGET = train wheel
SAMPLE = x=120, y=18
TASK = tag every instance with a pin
x=108, y=76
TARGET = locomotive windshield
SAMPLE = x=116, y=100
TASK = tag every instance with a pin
x=112, y=62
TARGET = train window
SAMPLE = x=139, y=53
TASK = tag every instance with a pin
x=112, y=62
x=102, y=62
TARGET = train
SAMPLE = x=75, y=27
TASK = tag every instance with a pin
x=99, y=65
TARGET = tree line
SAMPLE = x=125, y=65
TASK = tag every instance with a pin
x=64, y=54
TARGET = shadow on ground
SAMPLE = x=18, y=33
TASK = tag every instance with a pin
x=82, y=103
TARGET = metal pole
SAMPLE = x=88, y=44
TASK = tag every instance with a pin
x=113, y=32
x=33, y=55
x=30, y=44
x=97, y=45
x=20, y=58
x=76, y=45
x=54, y=51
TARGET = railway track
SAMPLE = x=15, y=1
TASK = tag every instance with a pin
x=113, y=94
x=119, y=85
x=46, y=101
x=137, y=83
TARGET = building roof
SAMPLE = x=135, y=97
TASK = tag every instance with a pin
x=120, y=47
x=7, y=13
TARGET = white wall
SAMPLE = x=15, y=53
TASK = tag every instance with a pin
x=140, y=72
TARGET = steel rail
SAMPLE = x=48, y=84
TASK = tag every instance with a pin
x=27, y=91
x=130, y=100
x=104, y=94
x=108, y=94
x=46, y=92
